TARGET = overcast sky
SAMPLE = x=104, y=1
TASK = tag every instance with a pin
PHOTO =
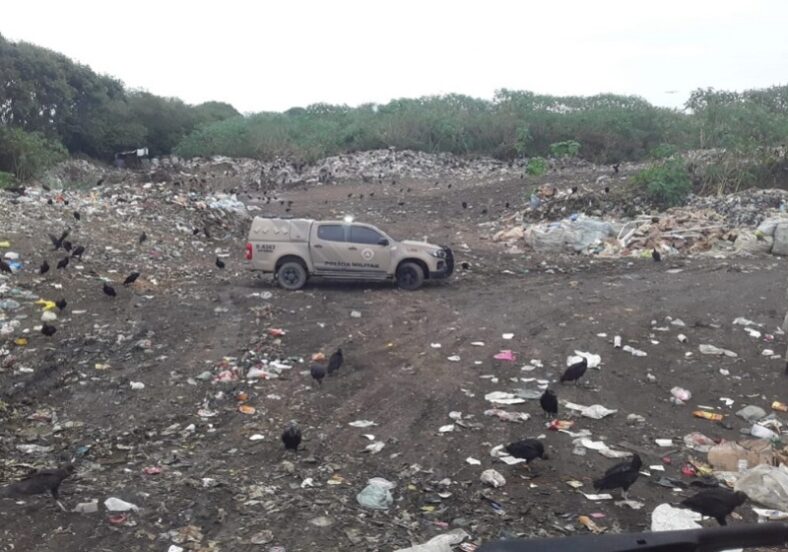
x=275, y=55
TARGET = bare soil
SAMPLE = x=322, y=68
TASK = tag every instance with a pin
x=219, y=490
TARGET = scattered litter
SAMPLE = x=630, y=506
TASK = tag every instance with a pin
x=362, y=423
x=680, y=395
x=766, y=485
x=595, y=411
x=355, y=314
x=374, y=448
x=589, y=524
x=502, y=397
x=454, y=358
x=711, y=416
x=698, y=442
x=507, y=416
x=505, y=355
x=375, y=497
x=598, y=497
x=593, y=360
x=493, y=478
x=507, y=336
x=440, y=543
x=435, y=345
x=113, y=504
x=633, y=351
x=602, y=448
x=446, y=428
x=751, y=413
x=706, y=349
x=137, y=385
x=473, y=461
x=664, y=442
x=90, y=507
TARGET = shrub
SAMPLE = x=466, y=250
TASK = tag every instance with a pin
x=28, y=154
x=666, y=183
x=537, y=166
x=567, y=148
x=6, y=180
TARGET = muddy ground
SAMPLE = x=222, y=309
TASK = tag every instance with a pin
x=219, y=490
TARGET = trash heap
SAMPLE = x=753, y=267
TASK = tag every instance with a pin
x=745, y=223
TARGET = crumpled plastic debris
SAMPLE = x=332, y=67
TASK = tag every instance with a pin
x=594, y=361
x=595, y=411
x=766, y=485
x=440, y=543
x=507, y=416
x=503, y=397
x=707, y=349
x=114, y=504
x=375, y=496
x=492, y=478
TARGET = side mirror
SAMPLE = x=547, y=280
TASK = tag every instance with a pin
x=383, y=241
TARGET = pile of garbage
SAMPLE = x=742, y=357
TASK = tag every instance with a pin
x=744, y=224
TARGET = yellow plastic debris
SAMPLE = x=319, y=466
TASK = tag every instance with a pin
x=46, y=304
x=21, y=341
x=5, y=244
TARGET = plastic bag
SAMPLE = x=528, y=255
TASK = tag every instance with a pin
x=375, y=497
x=766, y=485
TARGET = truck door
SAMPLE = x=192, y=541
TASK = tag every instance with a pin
x=328, y=247
x=368, y=251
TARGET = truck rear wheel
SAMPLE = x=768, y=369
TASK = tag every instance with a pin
x=410, y=276
x=291, y=275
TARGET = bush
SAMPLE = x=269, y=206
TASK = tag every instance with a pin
x=536, y=166
x=28, y=154
x=663, y=151
x=7, y=180
x=568, y=148
x=666, y=183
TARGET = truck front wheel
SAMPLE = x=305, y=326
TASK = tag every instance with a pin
x=410, y=276
x=291, y=275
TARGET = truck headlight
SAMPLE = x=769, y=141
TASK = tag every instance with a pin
x=439, y=253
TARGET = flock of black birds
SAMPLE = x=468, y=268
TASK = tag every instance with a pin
x=716, y=502
x=72, y=251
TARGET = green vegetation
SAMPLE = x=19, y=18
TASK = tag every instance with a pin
x=47, y=100
x=51, y=98
x=28, y=154
x=567, y=148
x=536, y=166
x=666, y=182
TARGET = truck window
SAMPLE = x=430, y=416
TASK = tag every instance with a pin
x=331, y=232
x=362, y=234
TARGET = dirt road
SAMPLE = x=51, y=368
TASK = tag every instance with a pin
x=220, y=490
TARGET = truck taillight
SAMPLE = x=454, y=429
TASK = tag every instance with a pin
x=248, y=251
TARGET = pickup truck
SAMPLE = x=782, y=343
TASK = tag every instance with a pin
x=294, y=250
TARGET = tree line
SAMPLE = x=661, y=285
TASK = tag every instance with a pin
x=51, y=106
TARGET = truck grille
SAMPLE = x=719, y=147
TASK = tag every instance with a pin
x=449, y=260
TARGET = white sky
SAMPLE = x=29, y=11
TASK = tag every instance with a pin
x=273, y=55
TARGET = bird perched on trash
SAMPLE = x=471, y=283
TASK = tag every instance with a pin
x=143, y=237
x=575, y=371
x=527, y=449
x=464, y=204
x=717, y=503
x=44, y=267
x=621, y=476
x=656, y=256
x=48, y=329
x=549, y=402
x=78, y=251
x=335, y=361
x=131, y=278
x=109, y=290
x=219, y=263
x=318, y=372
x=61, y=304
x=39, y=482
x=77, y=215
x=291, y=437
x=63, y=263
x=4, y=267
x=67, y=245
